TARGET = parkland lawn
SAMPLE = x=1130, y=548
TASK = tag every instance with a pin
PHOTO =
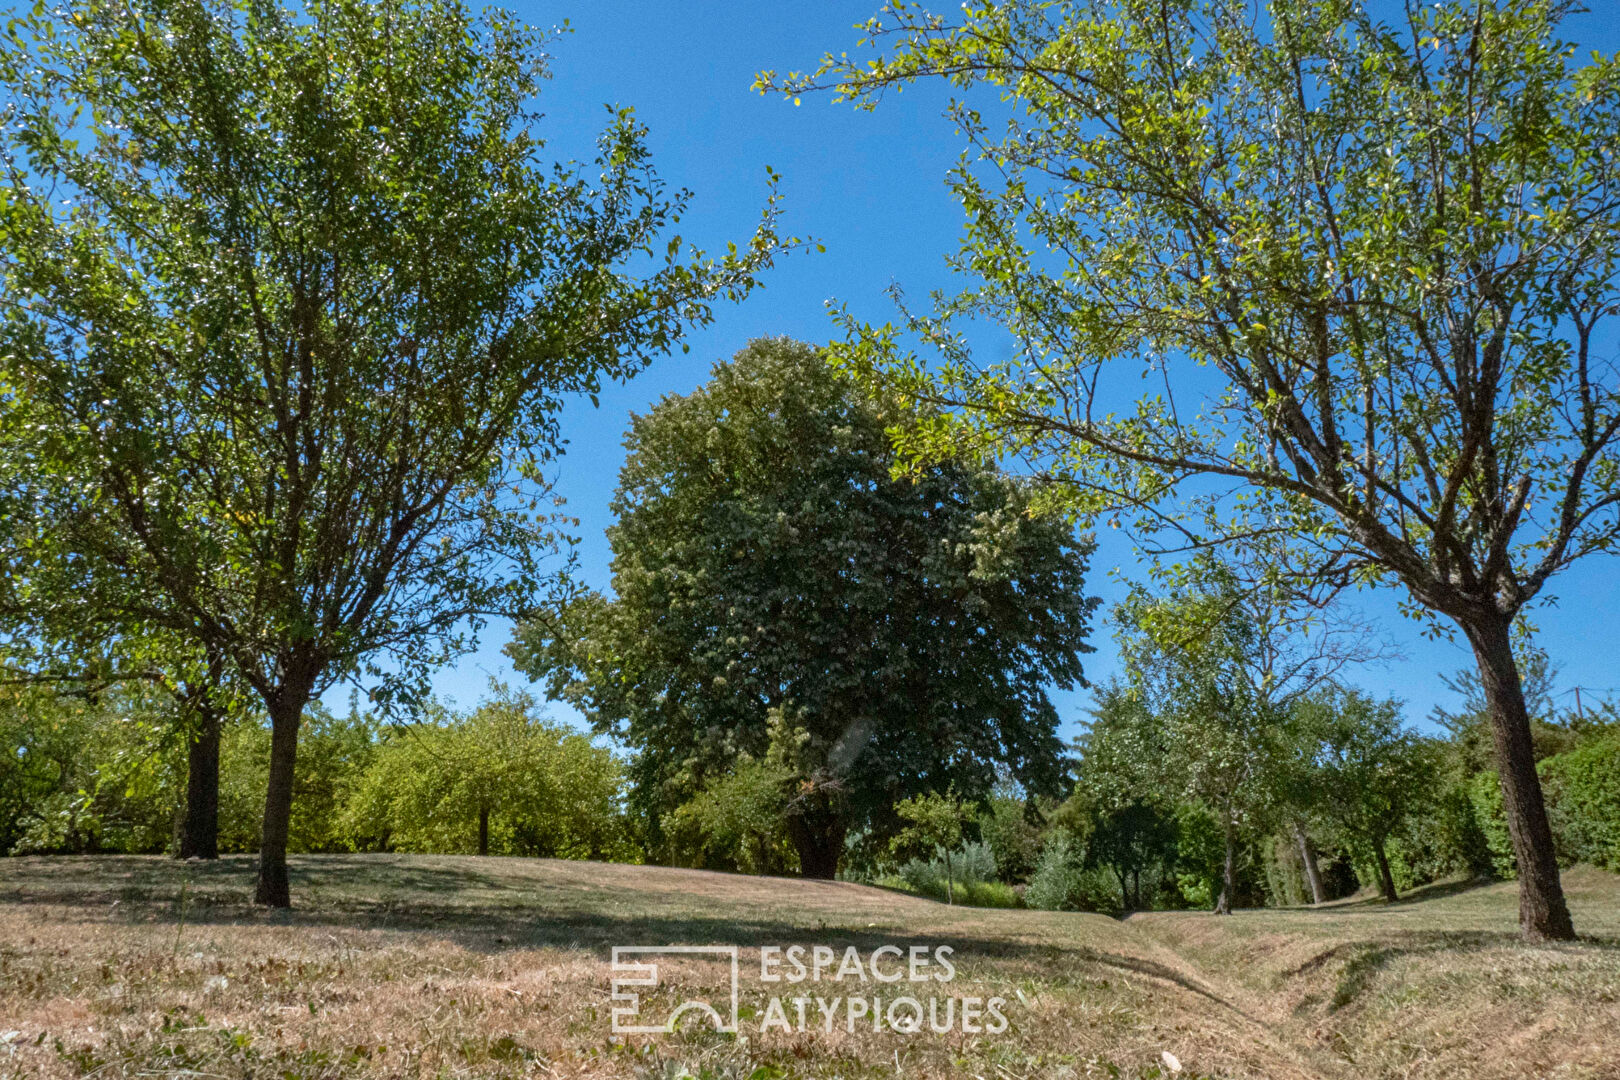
x=417, y=966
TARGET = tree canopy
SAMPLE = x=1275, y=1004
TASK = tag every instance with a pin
x=1287, y=267
x=778, y=593
x=290, y=302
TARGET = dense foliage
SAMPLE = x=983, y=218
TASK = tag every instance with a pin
x=291, y=299
x=1341, y=270
x=780, y=596
x=80, y=776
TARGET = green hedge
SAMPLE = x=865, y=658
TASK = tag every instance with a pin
x=1583, y=799
x=1582, y=789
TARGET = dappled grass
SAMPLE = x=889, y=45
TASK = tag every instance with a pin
x=461, y=966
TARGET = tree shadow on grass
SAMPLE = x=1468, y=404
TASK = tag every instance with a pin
x=495, y=915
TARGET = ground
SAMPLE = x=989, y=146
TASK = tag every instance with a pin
x=414, y=966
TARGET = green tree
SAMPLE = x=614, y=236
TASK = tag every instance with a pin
x=1190, y=720
x=737, y=821
x=1367, y=268
x=290, y=302
x=933, y=823
x=1371, y=773
x=777, y=590
x=501, y=780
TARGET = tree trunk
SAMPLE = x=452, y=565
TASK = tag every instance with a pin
x=199, y=831
x=1543, y=914
x=286, y=713
x=817, y=830
x=950, y=889
x=1313, y=873
x=483, y=830
x=1223, y=904
x=1386, y=880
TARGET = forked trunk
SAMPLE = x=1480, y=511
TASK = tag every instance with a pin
x=1543, y=914
x=199, y=830
x=1313, y=873
x=286, y=713
x=1386, y=880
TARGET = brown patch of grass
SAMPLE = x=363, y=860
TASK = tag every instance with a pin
x=1437, y=985
x=487, y=967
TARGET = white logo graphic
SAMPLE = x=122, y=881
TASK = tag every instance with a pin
x=631, y=973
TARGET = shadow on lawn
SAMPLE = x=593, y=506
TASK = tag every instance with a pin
x=496, y=915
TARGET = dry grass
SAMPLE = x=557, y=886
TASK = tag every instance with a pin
x=468, y=967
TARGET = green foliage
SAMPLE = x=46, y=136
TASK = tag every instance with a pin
x=1131, y=839
x=86, y=775
x=1370, y=774
x=1282, y=269
x=1013, y=838
x=292, y=299
x=738, y=821
x=1062, y=881
x=1485, y=796
x=774, y=584
x=501, y=780
x=1583, y=799
x=334, y=753
x=932, y=823
x=1283, y=264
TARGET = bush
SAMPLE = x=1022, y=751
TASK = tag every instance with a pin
x=1014, y=840
x=1485, y=796
x=736, y=822
x=970, y=866
x=1061, y=881
x=1583, y=800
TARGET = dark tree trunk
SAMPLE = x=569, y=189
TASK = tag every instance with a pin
x=1223, y=904
x=1543, y=914
x=817, y=830
x=286, y=713
x=1386, y=880
x=1313, y=873
x=483, y=830
x=1136, y=887
x=199, y=831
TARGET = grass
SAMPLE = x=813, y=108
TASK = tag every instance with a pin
x=486, y=967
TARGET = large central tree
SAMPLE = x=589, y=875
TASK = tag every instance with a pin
x=779, y=594
x=1366, y=268
x=290, y=300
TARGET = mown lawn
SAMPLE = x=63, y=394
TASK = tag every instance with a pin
x=480, y=967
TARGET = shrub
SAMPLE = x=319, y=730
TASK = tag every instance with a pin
x=1014, y=840
x=1485, y=796
x=970, y=866
x=736, y=822
x=1583, y=800
x=1061, y=881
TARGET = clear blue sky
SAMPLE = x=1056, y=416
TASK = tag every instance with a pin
x=870, y=186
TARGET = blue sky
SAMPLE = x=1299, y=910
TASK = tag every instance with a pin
x=870, y=187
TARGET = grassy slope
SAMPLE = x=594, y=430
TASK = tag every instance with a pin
x=452, y=966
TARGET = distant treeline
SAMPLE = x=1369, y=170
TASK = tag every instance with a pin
x=85, y=775
x=109, y=775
